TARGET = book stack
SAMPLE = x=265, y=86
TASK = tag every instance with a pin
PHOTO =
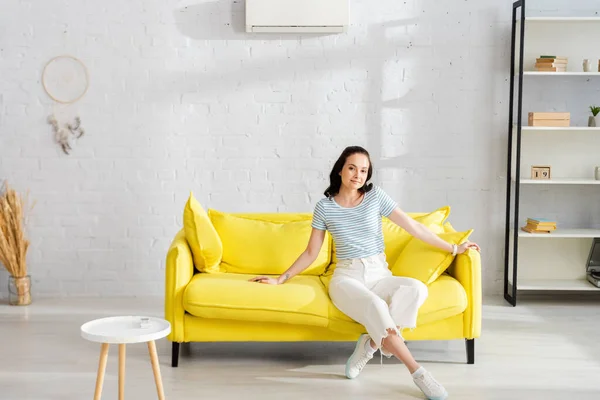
x=539, y=225
x=547, y=63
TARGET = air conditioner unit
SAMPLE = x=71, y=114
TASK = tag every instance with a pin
x=297, y=16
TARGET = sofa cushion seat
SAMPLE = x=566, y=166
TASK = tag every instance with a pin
x=446, y=298
x=302, y=300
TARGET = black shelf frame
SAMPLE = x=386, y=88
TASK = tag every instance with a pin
x=510, y=288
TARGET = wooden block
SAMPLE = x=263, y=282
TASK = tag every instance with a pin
x=549, y=118
x=550, y=122
x=541, y=172
x=549, y=115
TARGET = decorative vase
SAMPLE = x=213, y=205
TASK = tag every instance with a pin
x=597, y=174
x=592, y=121
x=587, y=65
x=19, y=291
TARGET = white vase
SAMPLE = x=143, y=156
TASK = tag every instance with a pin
x=593, y=121
x=597, y=175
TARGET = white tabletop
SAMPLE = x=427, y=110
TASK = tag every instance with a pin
x=125, y=329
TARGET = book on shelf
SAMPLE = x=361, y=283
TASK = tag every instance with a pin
x=546, y=57
x=542, y=68
x=541, y=221
x=551, y=60
x=547, y=63
x=539, y=225
x=550, y=65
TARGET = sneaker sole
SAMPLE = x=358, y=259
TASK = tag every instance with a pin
x=443, y=397
x=349, y=358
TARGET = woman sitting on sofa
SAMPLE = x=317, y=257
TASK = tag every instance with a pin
x=362, y=286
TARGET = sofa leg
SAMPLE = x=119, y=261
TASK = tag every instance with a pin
x=175, y=354
x=470, y=343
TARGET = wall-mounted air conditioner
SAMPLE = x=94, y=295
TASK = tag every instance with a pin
x=297, y=16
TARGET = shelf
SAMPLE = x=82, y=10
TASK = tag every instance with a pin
x=556, y=284
x=562, y=233
x=558, y=263
x=562, y=19
x=560, y=181
x=560, y=128
x=543, y=73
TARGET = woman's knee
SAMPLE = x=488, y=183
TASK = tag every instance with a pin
x=378, y=304
x=421, y=289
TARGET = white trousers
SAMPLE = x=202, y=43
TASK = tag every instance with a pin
x=366, y=291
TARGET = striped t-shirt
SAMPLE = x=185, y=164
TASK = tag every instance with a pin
x=356, y=231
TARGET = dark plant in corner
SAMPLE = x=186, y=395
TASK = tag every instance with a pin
x=592, y=121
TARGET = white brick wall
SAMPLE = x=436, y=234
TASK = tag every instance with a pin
x=182, y=99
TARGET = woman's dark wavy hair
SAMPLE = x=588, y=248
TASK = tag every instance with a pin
x=335, y=180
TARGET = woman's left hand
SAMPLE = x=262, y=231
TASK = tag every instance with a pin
x=467, y=245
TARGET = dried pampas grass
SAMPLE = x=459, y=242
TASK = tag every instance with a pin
x=13, y=243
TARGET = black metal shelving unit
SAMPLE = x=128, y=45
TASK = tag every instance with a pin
x=513, y=165
x=510, y=288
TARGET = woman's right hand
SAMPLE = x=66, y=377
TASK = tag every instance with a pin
x=265, y=279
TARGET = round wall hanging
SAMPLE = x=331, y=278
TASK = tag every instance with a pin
x=65, y=79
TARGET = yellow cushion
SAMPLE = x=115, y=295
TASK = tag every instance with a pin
x=396, y=238
x=206, y=246
x=446, y=298
x=273, y=217
x=254, y=246
x=227, y=330
x=448, y=227
x=425, y=262
x=302, y=300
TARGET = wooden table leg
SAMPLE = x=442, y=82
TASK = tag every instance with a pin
x=156, y=369
x=101, y=369
x=121, y=371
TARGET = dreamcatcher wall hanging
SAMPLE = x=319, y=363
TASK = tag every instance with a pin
x=66, y=80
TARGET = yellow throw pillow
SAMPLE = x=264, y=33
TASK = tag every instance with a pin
x=425, y=262
x=448, y=227
x=396, y=238
x=204, y=241
x=254, y=246
x=272, y=216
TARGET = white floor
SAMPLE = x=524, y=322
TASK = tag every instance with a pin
x=539, y=350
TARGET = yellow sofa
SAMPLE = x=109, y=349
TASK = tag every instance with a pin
x=208, y=297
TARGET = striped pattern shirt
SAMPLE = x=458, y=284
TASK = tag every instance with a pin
x=356, y=231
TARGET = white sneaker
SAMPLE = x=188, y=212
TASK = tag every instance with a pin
x=359, y=358
x=429, y=386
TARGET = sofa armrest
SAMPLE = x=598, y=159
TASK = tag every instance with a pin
x=466, y=268
x=179, y=271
